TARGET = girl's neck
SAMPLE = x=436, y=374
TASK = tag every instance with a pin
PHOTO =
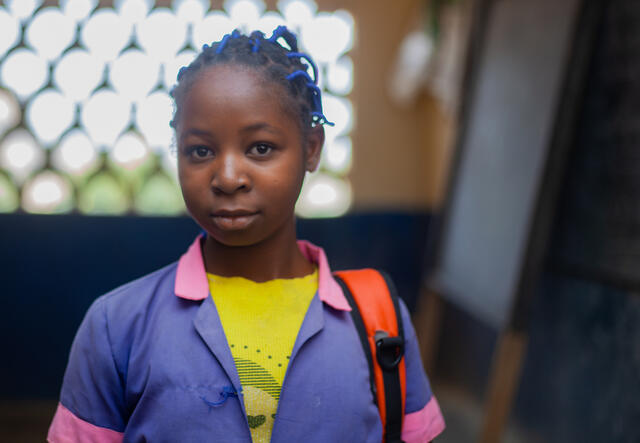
x=275, y=257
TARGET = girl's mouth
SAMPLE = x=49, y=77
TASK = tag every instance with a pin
x=233, y=220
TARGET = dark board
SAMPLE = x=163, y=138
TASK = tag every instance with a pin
x=598, y=232
x=502, y=154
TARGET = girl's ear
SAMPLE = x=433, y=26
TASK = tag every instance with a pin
x=313, y=148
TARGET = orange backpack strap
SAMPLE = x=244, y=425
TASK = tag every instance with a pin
x=376, y=314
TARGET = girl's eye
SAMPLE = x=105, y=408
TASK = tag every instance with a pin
x=200, y=152
x=260, y=149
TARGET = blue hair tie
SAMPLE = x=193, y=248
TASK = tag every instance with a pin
x=277, y=33
x=222, y=44
x=317, y=97
x=304, y=74
x=182, y=72
x=256, y=45
x=225, y=39
x=288, y=36
x=308, y=59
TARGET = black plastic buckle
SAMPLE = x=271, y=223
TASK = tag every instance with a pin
x=389, y=350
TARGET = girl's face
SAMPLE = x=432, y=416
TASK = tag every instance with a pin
x=241, y=156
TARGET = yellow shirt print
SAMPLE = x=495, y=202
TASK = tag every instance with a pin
x=261, y=322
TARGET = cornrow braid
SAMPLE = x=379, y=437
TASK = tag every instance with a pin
x=276, y=62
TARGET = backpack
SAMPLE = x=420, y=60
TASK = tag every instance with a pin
x=376, y=314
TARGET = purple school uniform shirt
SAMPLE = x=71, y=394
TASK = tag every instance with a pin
x=150, y=362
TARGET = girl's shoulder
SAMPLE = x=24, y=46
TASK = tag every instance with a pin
x=143, y=288
x=132, y=302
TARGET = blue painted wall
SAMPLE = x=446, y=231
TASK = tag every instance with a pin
x=53, y=267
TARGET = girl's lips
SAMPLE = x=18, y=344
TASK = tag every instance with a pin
x=232, y=212
x=233, y=220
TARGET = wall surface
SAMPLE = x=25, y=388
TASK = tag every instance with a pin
x=399, y=153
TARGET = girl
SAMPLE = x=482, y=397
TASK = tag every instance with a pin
x=198, y=351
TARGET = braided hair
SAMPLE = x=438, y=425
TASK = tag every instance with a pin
x=276, y=62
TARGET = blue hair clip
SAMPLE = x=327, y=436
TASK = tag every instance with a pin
x=317, y=115
x=309, y=60
x=319, y=119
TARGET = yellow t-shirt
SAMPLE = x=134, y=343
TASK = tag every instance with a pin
x=261, y=322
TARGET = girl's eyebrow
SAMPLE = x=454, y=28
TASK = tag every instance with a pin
x=249, y=128
x=260, y=126
x=196, y=132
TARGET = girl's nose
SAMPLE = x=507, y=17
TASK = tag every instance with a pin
x=230, y=176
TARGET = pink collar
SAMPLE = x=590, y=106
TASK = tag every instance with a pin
x=192, y=283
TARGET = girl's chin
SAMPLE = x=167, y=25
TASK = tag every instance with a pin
x=233, y=238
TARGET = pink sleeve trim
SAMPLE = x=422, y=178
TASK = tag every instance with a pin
x=67, y=428
x=424, y=425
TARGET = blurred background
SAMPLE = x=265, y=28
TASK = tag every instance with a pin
x=485, y=154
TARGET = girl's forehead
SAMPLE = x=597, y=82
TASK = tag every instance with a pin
x=225, y=84
x=231, y=69
x=225, y=91
x=228, y=74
